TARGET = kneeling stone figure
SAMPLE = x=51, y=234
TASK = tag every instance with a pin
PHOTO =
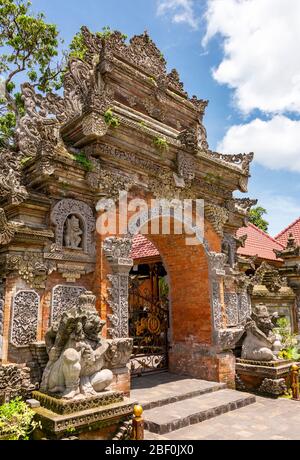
x=76, y=366
x=260, y=344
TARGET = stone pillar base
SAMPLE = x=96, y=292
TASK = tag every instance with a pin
x=266, y=378
x=105, y=416
x=202, y=363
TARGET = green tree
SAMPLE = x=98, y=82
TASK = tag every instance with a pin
x=255, y=217
x=29, y=45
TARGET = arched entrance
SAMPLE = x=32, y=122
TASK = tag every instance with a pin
x=148, y=310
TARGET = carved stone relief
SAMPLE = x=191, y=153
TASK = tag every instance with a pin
x=117, y=251
x=217, y=216
x=244, y=307
x=69, y=216
x=31, y=267
x=64, y=298
x=24, y=322
x=231, y=305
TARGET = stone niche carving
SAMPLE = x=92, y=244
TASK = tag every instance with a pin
x=75, y=224
x=78, y=355
x=73, y=233
x=231, y=304
x=64, y=298
x=260, y=343
x=25, y=313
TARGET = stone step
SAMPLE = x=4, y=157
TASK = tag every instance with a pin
x=194, y=410
x=161, y=389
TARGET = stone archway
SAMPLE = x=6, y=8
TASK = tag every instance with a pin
x=196, y=301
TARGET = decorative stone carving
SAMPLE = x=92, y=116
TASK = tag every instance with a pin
x=217, y=263
x=189, y=139
x=66, y=208
x=73, y=232
x=7, y=229
x=31, y=267
x=244, y=308
x=216, y=304
x=231, y=305
x=76, y=353
x=64, y=298
x=229, y=248
x=275, y=387
x=260, y=340
x=124, y=431
x=25, y=313
x=217, y=216
x=118, y=353
x=239, y=384
x=268, y=276
x=175, y=83
x=186, y=166
x=14, y=381
x=117, y=251
x=241, y=159
x=242, y=205
x=10, y=178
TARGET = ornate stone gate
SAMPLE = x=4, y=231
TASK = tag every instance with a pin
x=139, y=132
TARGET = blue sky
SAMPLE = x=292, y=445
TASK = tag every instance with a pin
x=243, y=56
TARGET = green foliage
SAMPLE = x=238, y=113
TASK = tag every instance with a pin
x=16, y=420
x=289, y=340
x=29, y=45
x=255, y=217
x=161, y=143
x=71, y=429
x=107, y=32
x=111, y=119
x=77, y=47
x=82, y=159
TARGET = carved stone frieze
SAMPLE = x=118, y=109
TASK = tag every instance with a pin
x=217, y=263
x=217, y=216
x=25, y=313
x=32, y=268
x=66, y=208
x=154, y=109
x=64, y=298
x=14, y=381
x=242, y=160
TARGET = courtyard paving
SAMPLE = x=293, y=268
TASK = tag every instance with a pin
x=267, y=419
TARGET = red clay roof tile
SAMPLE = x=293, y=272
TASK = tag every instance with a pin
x=258, y=243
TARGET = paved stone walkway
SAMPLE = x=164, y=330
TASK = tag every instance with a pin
x=267, y=419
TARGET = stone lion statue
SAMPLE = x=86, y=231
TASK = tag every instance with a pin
x=77, y=353
x=261, y=343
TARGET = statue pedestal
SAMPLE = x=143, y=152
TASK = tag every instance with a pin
x=98, y=417
x=263, y=377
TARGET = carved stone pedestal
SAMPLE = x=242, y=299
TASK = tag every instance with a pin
x=266, y=378
x=98, y=417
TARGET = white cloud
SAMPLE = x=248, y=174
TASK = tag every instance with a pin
x=180, y=10
x=276, y=142
x=261, y=52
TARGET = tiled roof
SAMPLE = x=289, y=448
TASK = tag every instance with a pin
x=258, y=243
x=293, y=228
x=142, y=247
